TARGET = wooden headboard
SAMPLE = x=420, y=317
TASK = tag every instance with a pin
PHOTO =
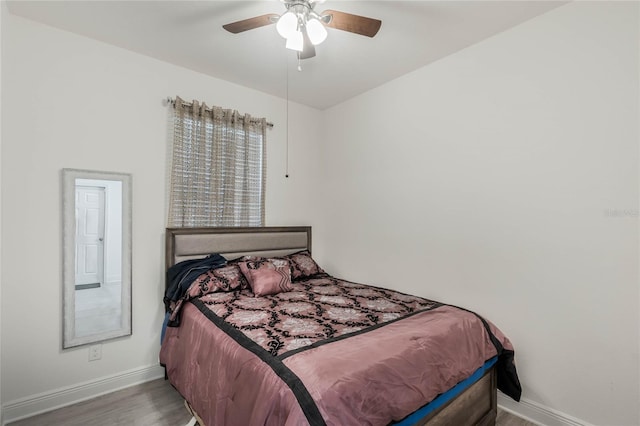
x=269, y=241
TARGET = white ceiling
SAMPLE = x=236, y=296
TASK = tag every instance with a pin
x=190, y=34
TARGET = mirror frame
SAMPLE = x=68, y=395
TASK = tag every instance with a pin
x=69, y=177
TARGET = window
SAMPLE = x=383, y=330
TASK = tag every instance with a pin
x=218, y=167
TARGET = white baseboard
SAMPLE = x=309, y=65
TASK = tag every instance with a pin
x=538, y=413
x=61, y=397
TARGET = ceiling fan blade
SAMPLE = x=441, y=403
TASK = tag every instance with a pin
x=308, y=50
x=251, y=23
x=353, y=23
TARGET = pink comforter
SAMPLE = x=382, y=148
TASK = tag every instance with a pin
x=372, y=377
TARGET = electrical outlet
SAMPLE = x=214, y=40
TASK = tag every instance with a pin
x=95, y=352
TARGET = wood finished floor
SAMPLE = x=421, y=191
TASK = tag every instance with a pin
x=154, y=403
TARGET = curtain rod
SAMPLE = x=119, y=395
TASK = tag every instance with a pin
x=172, y=101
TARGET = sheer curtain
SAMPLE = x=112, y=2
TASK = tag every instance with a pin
x=218, y=167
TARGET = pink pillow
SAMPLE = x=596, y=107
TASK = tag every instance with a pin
x=303, y=266
x=227, y=278
x=265, y=278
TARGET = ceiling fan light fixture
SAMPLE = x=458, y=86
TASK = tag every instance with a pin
x=303, y=28
x=295, y=41
x=287, y=24
x=316, y=31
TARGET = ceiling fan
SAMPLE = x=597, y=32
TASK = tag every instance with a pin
x=304, y=28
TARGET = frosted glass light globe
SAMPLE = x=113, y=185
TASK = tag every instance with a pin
x=287, y=24
x=295, y=41
x=316, y=31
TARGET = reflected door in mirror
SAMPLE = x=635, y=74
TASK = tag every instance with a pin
x=89, y=236
x=98, y=283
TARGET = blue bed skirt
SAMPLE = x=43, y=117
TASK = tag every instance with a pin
x=447, y=396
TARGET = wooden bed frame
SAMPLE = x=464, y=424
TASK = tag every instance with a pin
x=477, y=405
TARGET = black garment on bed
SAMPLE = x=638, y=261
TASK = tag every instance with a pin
x=181, y=275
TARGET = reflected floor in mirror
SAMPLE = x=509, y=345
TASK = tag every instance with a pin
x=154, y=403
x=98, y=309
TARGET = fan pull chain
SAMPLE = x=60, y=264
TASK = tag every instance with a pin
x=286, y=175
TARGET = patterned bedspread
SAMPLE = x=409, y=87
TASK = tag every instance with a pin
x=330, y=352
x=318, y=311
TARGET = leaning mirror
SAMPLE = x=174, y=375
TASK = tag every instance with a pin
x=97, y=256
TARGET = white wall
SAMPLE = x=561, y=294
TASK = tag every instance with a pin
x=505, y=178
x=78, y=103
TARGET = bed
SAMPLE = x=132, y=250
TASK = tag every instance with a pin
x=273, y=359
